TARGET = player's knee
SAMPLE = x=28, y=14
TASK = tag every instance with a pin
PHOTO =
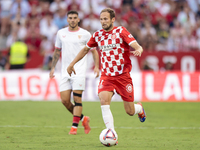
x=104, y=101
x=65, y=102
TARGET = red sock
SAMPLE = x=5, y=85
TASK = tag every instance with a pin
x=76, y=120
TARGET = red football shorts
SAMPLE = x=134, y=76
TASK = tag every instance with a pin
x=121, y=83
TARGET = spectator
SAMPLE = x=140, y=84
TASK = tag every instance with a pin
x=56, y=5
x=115, y=4
x=47, y=51
x=21, y=30
x=168, y=66
x=186, y=17
x=12, y=37
x=91, y=23
x=21, y=7
x=120, y=22
x=60, y=19
x=44, y=7
x=189, y=42
x=146, y=66
x=33, y=38
x=88, y=6
x=163, y=7
x=3, y=38
x=5, y=6
x=47, y=27
x=3, y=61
x=148, y=37
x=148, y=29
x=18, y=55
x=33, y=15
x=175, y=37
x=162, y=36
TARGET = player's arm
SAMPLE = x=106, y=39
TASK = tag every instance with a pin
x=138, y=49
x=129, y=39
x=80, y=55
x=96, y=61
x=56, y=56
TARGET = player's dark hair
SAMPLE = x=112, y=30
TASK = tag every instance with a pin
x=72, y=12
x=110, y=11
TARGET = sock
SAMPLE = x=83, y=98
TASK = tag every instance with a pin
x=107, y=116
x=138, y=108
x=76, y=120
x=82, y=117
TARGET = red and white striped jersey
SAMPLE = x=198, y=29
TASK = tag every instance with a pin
x=114, y=50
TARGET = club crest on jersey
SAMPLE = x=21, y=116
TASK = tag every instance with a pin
x=129, y=88
x=79, y=36
x=113, y=36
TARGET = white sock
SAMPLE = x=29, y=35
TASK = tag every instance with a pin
x=138, y=108
x=107, y=116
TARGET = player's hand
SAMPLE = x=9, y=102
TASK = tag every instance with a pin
x=71, y=69
x=96, y=71
x=51, y=74
x=137, y=52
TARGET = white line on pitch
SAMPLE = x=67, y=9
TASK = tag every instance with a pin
x=160, y=128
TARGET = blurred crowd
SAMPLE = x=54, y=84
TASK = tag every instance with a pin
x=158, y=25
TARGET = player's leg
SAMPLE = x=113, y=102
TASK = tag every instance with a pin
x=65, y=94
x=105, y=100
x=66, y=100
x=124, y=87
x=77, y=94
x=105, y=91
x=77, y=111
x=131, y=109
x=78, y=88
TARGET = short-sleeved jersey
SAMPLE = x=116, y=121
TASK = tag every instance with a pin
x=70, y=44
x=114, y=50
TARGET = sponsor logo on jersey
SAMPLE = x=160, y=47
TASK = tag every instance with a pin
x=129, y=88
x=107, y=47
x=64, y=36
x=130, y=36
x=79, y=36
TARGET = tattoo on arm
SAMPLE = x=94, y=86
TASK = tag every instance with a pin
x=56, y=57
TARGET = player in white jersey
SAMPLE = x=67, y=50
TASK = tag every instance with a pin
x=114, y=44
x=69, y=41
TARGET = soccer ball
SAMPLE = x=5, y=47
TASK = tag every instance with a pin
x=108, y=137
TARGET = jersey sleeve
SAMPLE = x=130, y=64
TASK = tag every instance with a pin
x=127, y=36
x=58, y=43
x=92, y=43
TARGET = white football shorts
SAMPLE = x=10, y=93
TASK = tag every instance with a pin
x=75, y=83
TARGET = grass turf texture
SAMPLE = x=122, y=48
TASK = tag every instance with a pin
x=28, y=125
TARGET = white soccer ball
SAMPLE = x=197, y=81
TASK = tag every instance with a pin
x=108, y=137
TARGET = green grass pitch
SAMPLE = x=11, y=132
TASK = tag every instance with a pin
x=31, y=125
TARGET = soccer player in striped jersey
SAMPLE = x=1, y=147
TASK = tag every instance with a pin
x=114, y=44
x=69, y=41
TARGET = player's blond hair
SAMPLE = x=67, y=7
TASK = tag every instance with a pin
x=110, y=11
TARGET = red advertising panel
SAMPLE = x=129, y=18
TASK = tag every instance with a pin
x=148, y=86
x=170, y=86
x=182, y=61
